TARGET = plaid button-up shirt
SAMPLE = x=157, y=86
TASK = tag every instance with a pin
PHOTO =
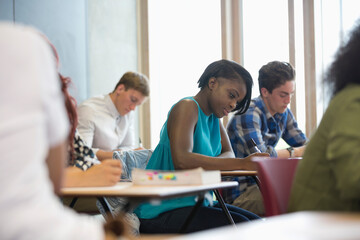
x=266, y=130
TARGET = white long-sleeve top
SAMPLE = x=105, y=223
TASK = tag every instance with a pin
x=102, y=127
x=32, y=119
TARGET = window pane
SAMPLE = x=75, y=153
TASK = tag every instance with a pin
x=333, y=26
x=350, y=14
x=299, y=65
x=184, y=37
x=266, y=35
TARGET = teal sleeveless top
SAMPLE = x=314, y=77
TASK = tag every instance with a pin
x=207, y=141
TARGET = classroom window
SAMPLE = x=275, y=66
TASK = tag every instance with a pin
x=183, y=39
x=185, y=36
x=265, y=36
x=334, y=20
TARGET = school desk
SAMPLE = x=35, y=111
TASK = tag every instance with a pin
x=241, y=173
x=238, y=173
x=136, y=194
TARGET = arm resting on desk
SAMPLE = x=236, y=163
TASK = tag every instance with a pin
x=105, y=174
x=55, y=162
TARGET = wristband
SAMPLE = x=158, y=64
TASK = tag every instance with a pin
x=291, y=151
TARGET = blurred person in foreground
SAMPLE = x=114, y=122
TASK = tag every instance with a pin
x=328, y=176
x=33, y=132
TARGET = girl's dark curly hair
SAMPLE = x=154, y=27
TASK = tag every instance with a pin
x=345, y=69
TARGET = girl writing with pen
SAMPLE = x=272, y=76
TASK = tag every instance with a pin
x=193, y=136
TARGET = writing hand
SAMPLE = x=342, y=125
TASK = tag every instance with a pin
x=105, y=174
x=248, y=164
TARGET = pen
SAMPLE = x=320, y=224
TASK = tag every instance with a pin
x=254, y=145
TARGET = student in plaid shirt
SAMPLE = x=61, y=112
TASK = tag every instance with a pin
x=266, y=121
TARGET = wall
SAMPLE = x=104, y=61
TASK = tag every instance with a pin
x=96, y=40
x=112, y=42
x=6, y=10
x=64, y=23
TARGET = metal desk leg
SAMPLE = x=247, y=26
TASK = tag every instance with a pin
x=106, y=207
x=73, y=201
x=257, y=180
x=223, y=206
x=192, y=213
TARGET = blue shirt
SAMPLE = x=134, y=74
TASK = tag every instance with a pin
x=207, y=141
x=266, y=130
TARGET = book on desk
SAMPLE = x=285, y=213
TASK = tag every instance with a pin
x=197, y=176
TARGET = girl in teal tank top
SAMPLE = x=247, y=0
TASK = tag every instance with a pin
x=207, y=141
x=192, y=137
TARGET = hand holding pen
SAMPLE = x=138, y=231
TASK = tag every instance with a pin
x=254, y=145
x=257, y=150
x=257, y=153
x=247, y=162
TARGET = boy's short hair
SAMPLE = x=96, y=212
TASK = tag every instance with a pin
x=136, y=81
x=274, y=74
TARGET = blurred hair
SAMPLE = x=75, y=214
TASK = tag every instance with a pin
x=345, y=69
x=70, y=102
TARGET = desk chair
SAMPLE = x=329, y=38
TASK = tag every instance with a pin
x=276, y=177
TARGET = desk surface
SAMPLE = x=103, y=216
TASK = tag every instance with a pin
x=238, y=173
x=126, y=189
x=300, y=225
